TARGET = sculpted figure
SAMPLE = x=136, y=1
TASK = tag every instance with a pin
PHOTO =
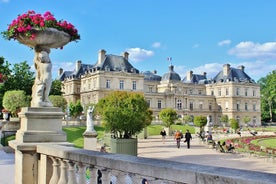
x=89, y=119
x=43, y=80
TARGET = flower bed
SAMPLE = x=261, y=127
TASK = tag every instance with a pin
x=244, y=144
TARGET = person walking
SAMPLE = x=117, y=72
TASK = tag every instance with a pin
x=188, y=138
x=177, y=137
x=163, y=134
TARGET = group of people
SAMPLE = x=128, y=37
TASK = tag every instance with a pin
x=178, y=135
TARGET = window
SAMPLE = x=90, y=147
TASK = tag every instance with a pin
x=238, y=106
x=191, y=91
x=150, y=89
x=245, y=106
x=200, y=105
x=238, y=91
x=212, y=92
x=254, y=93
x=148, y=102
x=179, y=104
x=226, y=91
x=210, y=106
x=199, y=92
x=191, y=106
x=122, y=84
x=254, y=107
x=159, y=104
x=245, y=92
x=133, y=85
x=107, y=84
x=238, y=119
x=226, y=105
x=219, y=92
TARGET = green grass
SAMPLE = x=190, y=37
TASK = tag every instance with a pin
x=270, y=143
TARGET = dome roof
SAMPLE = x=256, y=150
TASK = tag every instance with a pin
x=171, y=75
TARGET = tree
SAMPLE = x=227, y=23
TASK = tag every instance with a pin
x=187, y=118
x=21, y=78
x=224, y=119
x=168, y=116
x=58, y=101
x=75, y=109
x=4, y=73
x=124, y=113
x=268, y=95
x=200, y=121
x=234, y=124
x=246, y=119
x=56, y=87
x=14, y=100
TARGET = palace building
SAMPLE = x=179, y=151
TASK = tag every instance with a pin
x=231, y=92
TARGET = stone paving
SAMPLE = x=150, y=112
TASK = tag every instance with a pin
x=200, y=153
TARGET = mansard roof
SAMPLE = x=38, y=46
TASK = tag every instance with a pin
x=151, y=76
x=171, y=75
x=76, y=73
x=196, y=79
x=234, y=74
x=115, y=63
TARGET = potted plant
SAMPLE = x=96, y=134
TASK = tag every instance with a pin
x=124, y=115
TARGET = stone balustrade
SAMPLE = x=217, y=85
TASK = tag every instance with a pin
x=68, y=165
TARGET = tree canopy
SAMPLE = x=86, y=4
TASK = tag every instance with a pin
x=200, y=121
x=124, y=113
x=268, y=96
x=14, y=100
x=168, y=116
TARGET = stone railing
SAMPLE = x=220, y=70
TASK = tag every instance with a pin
x=62, y=165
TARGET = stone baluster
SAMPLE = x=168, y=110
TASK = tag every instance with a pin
x=120, y=176
x=55, y=176
x=93, y=175
x=106, y=176
x=82, y=173
x=72, y=173
x=63, y=172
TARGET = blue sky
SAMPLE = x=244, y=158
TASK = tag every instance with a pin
x=199, y=35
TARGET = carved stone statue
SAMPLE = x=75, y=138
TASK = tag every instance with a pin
x=89, y=120
x=43, y=80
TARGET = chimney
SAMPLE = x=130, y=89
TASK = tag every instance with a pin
x=241, y=68
x=125, y=55
x=204, y=74
x=78, y=65
x=60, y=71
x=189, y=75
x=226, y=69
x=154, y=72
x=101, y=56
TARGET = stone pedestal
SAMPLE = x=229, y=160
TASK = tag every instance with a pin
x=41, y=124
x=90, y=140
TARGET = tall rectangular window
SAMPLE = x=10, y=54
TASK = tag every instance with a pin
x=107, y=84
x=238, y=91
x=245, y=92
x=191, y=106
x=254, y=92
x=219, y=92
x=245, y=106
x=226, y=91
x=254, y=107
x=133, y=85
x=159, y=104
x=122, y=84
x=238, y=106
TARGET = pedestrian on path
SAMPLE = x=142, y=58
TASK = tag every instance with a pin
x=163, y=134
x=177, y=137
x=188, y=138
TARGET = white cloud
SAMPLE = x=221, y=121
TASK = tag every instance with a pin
x=211, y=69
x=139, y=54
x=196, y=45
x=224, y=42
x=156, y=45
x=257, y=51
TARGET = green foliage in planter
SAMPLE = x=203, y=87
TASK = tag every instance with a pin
x=58, y=101
x=124, y=113
x=234, y=124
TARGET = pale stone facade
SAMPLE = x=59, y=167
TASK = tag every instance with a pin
x=232, y=92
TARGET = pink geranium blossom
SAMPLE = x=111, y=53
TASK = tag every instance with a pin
x=24, y=24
